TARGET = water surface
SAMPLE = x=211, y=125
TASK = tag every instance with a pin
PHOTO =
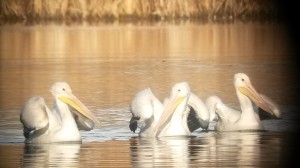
x=106, y=65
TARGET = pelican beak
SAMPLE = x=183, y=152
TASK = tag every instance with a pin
x=167, y=114
x=250, y=92
x=72, y=101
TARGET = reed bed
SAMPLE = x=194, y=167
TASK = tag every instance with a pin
x=134, y=9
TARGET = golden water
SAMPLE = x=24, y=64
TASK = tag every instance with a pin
x=106, y=65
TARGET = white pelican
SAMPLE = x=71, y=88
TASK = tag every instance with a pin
x=145, y=107
x=234, y=115
x=41, y=125
x=174, y=117
x=248, y=119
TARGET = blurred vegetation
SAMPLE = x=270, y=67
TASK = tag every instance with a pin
x=76, y=10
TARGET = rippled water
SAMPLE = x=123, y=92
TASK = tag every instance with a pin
x=106, y=65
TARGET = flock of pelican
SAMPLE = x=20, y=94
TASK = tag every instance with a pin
x=178, y=115
x=183, y=112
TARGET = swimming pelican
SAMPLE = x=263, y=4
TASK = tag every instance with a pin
x=181, y=113
x=41, y=125
x=212, y=101
x=248, y=119
x=145, y=107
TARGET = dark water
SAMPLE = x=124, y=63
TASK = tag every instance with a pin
x=106, y=65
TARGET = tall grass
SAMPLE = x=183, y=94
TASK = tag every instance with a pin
x=118, y=9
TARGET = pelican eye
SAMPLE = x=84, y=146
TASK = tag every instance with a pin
x=243, y=79
x=64, y=89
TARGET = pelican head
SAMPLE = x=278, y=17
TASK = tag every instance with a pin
x=181, y=89
x=62, y=92
x=179, y=93
x=243, y=85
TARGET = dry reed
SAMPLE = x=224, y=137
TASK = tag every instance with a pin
x=116, y=9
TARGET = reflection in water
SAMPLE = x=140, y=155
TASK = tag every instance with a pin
x=170, y=151
x=243, y=149
x=211, y=149
x=232, y=149
x=51, y=155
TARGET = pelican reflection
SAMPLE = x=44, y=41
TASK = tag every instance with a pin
x=212, y=149
x=165, y=151
x=53, y=154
